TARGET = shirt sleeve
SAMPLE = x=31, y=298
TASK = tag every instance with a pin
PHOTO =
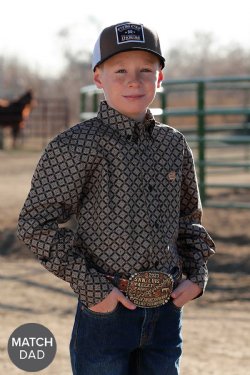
x=194, y=243
x=56, y=194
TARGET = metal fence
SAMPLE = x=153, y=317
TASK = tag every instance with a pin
x=49, y=117
x=214, y=116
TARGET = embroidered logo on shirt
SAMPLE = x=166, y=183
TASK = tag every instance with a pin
x=171, y=176
x=127, y=32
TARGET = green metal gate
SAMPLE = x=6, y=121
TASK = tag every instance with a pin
x=214, y=116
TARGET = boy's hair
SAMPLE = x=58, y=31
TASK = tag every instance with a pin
x=124, y=37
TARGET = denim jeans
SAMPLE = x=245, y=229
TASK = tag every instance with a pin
x=127, y=342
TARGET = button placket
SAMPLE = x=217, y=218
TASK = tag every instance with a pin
x=148, y=165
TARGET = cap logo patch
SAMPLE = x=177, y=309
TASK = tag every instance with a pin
x=128, y=32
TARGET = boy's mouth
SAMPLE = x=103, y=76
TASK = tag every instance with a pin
x=133, y=96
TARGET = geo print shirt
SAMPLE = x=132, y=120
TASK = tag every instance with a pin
x=133, y=190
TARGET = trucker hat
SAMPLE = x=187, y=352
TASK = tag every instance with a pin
x=125, y=36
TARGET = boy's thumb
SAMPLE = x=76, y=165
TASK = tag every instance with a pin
x=127, y=303
x=176, y=293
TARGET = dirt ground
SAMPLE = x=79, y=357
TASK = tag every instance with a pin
x=215, y=327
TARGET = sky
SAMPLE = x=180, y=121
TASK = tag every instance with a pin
x=30, y=30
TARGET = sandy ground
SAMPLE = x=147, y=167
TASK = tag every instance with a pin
x=215, y=327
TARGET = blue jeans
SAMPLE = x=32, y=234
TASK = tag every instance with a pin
x=127, y=342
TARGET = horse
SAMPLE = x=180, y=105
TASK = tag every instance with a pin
x=14, y=113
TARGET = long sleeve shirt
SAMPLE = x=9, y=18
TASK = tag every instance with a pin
x=133, y=190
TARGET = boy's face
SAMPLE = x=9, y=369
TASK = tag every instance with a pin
x=129, y=81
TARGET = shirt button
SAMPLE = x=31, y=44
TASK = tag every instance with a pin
x=156, y=263
x=129, y=136
x=150, y=187
x=157, y=225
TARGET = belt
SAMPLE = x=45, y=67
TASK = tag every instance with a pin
x=146, y=288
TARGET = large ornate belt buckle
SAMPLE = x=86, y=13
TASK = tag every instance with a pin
x=149, y=288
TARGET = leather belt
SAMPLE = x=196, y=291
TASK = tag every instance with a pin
x=145, y=289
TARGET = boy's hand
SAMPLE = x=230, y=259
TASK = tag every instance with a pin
x=185, y=292
x=110, y=302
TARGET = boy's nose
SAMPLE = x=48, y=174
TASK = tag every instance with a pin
x=134, y=79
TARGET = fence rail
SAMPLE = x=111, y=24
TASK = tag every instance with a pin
x=217, y=125
x=49, y=117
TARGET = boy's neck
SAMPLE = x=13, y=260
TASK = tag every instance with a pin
x=139, y=118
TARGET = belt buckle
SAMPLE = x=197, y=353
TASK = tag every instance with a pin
x=149, y=288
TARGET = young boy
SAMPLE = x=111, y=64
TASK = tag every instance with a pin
x=131, y=183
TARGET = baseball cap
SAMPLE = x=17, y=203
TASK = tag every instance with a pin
x=125, y=36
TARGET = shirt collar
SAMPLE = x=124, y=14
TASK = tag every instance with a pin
x=111, y=117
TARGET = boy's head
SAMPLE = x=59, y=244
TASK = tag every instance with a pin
x=124, y=37
x=127, y=65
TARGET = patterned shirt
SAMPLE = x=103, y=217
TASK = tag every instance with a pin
x=132, y=187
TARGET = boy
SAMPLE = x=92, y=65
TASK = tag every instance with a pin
x=131, y=183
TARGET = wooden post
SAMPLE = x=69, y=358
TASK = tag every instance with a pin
x=1, y=139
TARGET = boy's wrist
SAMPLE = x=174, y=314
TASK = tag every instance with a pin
x=199, y=276
x=200, y=283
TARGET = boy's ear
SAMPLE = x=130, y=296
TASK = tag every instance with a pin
x=97, y=78
x=160, y=79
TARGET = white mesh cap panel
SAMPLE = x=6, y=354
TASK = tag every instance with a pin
x=96, y=57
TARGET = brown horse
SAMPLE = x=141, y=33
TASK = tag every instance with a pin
x=13, y=114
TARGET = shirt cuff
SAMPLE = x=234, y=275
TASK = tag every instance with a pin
x=93, y=293
x=200, y=278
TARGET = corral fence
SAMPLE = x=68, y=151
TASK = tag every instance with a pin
x=49, y=117
x=214, y=116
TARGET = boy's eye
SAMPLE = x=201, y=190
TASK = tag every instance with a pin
x=121, y=71
x=147, y=70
